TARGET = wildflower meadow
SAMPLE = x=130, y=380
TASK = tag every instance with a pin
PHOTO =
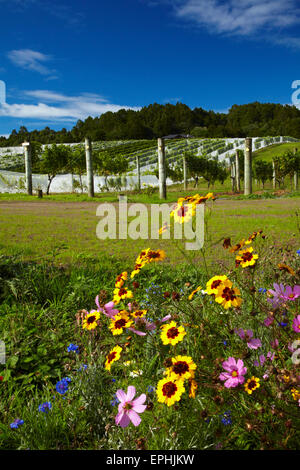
x=145, y=356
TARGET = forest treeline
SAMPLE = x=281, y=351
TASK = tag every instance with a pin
x=157, y=120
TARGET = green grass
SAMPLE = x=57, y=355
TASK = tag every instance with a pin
x=276, y=150
x=38, y=231
x=38, y=307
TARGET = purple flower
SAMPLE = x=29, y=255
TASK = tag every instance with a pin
x=291, y=293
x=274, y=344
x=73, y=347
x=268, y=321
x=262, y=359
x=16, y=423
x=108, y=308
x=296, y=324
x=128, y=408
x=252, y=343
x=276, y=295
x=63, y=385
x=45, y=407
x=235, y=372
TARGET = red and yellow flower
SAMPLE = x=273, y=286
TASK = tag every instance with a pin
x=192, y=388
x=194, y=292
x=183, y=367
x=90, y=321
x=246, y=258
x=170, y=389
x=112, y=356
x=183, y=212
x=228, y=296
x=252, y=384
x=138, y=313
x=120, y=322
x=215, y=283
x=121, y=279
x=121, y=293
x=171, y=333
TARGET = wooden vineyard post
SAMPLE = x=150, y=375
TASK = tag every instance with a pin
x=28, y=169
x=233, y=176
x=89, y=167
x=274, y=175
x=184, y=173
x=248, y=167
x=162, y=169
x=138, y=170
x=237, y=171
x=296, y=174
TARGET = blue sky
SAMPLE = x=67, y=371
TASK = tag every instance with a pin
x=65, y=60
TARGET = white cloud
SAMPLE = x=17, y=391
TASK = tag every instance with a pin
x=31, y=60
x=64, y=108
x=243, y=17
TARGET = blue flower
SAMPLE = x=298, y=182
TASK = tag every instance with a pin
x=151, y=389
x=226, y=419
x=45, y=407
x=82, y=367
x=298, y=252
x=262, y=290
x=16, y=423
x=115, y=401
x=62, y=386
x=225, y=343
x=73, y=347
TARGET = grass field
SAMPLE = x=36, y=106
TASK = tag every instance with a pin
x=52, y=266
x=276, y=150
x=38, y=229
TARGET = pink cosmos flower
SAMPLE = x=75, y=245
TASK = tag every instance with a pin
x=268, y=321
x=252, y=343
x=235, y=372
x=296, y=324
x=262, y=359
x=128, y=408
x=276, y=295
x=108, y=308
x=291, y=293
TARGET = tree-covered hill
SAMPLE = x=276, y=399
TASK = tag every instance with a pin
x=156, y=120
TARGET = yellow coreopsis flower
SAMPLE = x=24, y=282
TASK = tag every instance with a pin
x=169, y=390
x=119, y=322
x=295, y=393
x=193, y=388
x=90, y=321
x=138, y=313
x=246, y=258
x=121, y=279
x=121, y=294
x=113, y=356
x=183, y=213
x=183, y=367
x=214, y=284
x=251, y=384
x=172, y=334
x=194, y=292
x=227, y=296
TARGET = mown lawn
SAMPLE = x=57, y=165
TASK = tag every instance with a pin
x=35, y=230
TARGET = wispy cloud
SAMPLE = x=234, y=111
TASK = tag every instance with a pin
x=32, y=60
x=241, y=17
x=271, y=20
x=57, y=107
